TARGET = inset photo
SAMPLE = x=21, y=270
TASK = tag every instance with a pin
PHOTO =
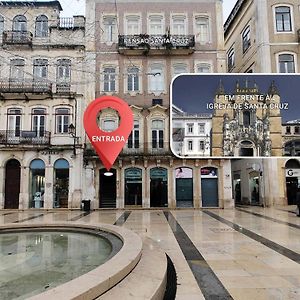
x=235, y=115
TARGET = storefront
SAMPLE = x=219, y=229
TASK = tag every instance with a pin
x=37, y=184
x=133, y=186
x=158, y=187
x=184, y=187
x=107, y=188
x=209, y=187
x=292, y=175
x=61, y=183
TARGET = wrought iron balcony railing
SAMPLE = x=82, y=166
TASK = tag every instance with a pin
x=148, y=42
x=17, y=37
x=14, y=86
x=24, y=137
x=62, y=88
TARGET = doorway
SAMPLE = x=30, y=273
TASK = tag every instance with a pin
x=184, y=187
x=61, y=183
x=209, y=187
x=107, y=188
x=158, y=187
x=12, y=184
x=133, y=186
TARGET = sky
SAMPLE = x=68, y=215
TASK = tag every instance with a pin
x=77, y=7
x=202, y=89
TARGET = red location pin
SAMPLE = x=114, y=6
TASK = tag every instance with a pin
x=108, y=145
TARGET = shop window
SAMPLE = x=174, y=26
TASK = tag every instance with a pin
x=37, y=183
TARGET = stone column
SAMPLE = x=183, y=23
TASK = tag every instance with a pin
x=2, y=187
x=197, y=187
x=146, y=181
x=24, y=191
x=228, y=201
x=171, y=188
x=49, y=188
x=120, y=188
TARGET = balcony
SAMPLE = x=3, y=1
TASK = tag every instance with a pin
x=144, y=44
x=63, y=88
x=22, y=137
x=13, y=89
x=17, y=38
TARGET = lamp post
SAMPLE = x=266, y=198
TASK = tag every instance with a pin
x=72, y=132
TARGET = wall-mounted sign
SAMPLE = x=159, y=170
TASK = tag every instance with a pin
x=292, y=172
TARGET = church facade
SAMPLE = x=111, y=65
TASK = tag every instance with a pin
x=247, y=121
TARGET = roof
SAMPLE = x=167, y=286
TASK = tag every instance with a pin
x=32, y=3
x=237, y=7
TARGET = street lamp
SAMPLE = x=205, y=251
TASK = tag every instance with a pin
x=72, y=132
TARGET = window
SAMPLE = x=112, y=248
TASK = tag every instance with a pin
x=40, y=69
x=246, y=39
x=288, y=130
x=286, y=63
x=110, y=28
x=38, y=121
x=109, y=125
x=134, y=137
x=204, y=68
x=157, y=134
x=296, y=130
x=156, y=78
x=1, y=25
x=201, y=128
x=63, y=76
x=230, y=59
x=202, y=29
x=190, y=145
x=133, y=79
x=20, y=23
x=190, y=128
x=201, y=146
x=179, y=69
x=132, y=25
x=17, y=69
x=157, y=102
x=156, y=24
x=14, y=122
x=178, y=25
x=62, y=117
x=41, y=26
x=246, y=118
x=109, y=79
x=283, y=19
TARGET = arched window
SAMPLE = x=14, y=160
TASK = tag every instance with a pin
x=283, y=19
x=179, y=68
x=202, y=29
x=20, y=23
x=286, y=63
x=133, y=79
x=157, y=128
x=62, y=117
x=156, y=78
x=246, y=118
x=134, y=137
x=41, y=26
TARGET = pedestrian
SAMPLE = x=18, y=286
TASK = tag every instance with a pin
x=298, y=202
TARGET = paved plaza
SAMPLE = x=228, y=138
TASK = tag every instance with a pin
x=244, y=253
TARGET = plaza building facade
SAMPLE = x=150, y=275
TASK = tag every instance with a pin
x=252, y=184
x=41, y=100
x=250, y=124
x=191, y=133
x=262, y=36
x=291, y=136
x=137, y=48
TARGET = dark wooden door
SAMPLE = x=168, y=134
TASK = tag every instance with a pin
x=12, y=184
